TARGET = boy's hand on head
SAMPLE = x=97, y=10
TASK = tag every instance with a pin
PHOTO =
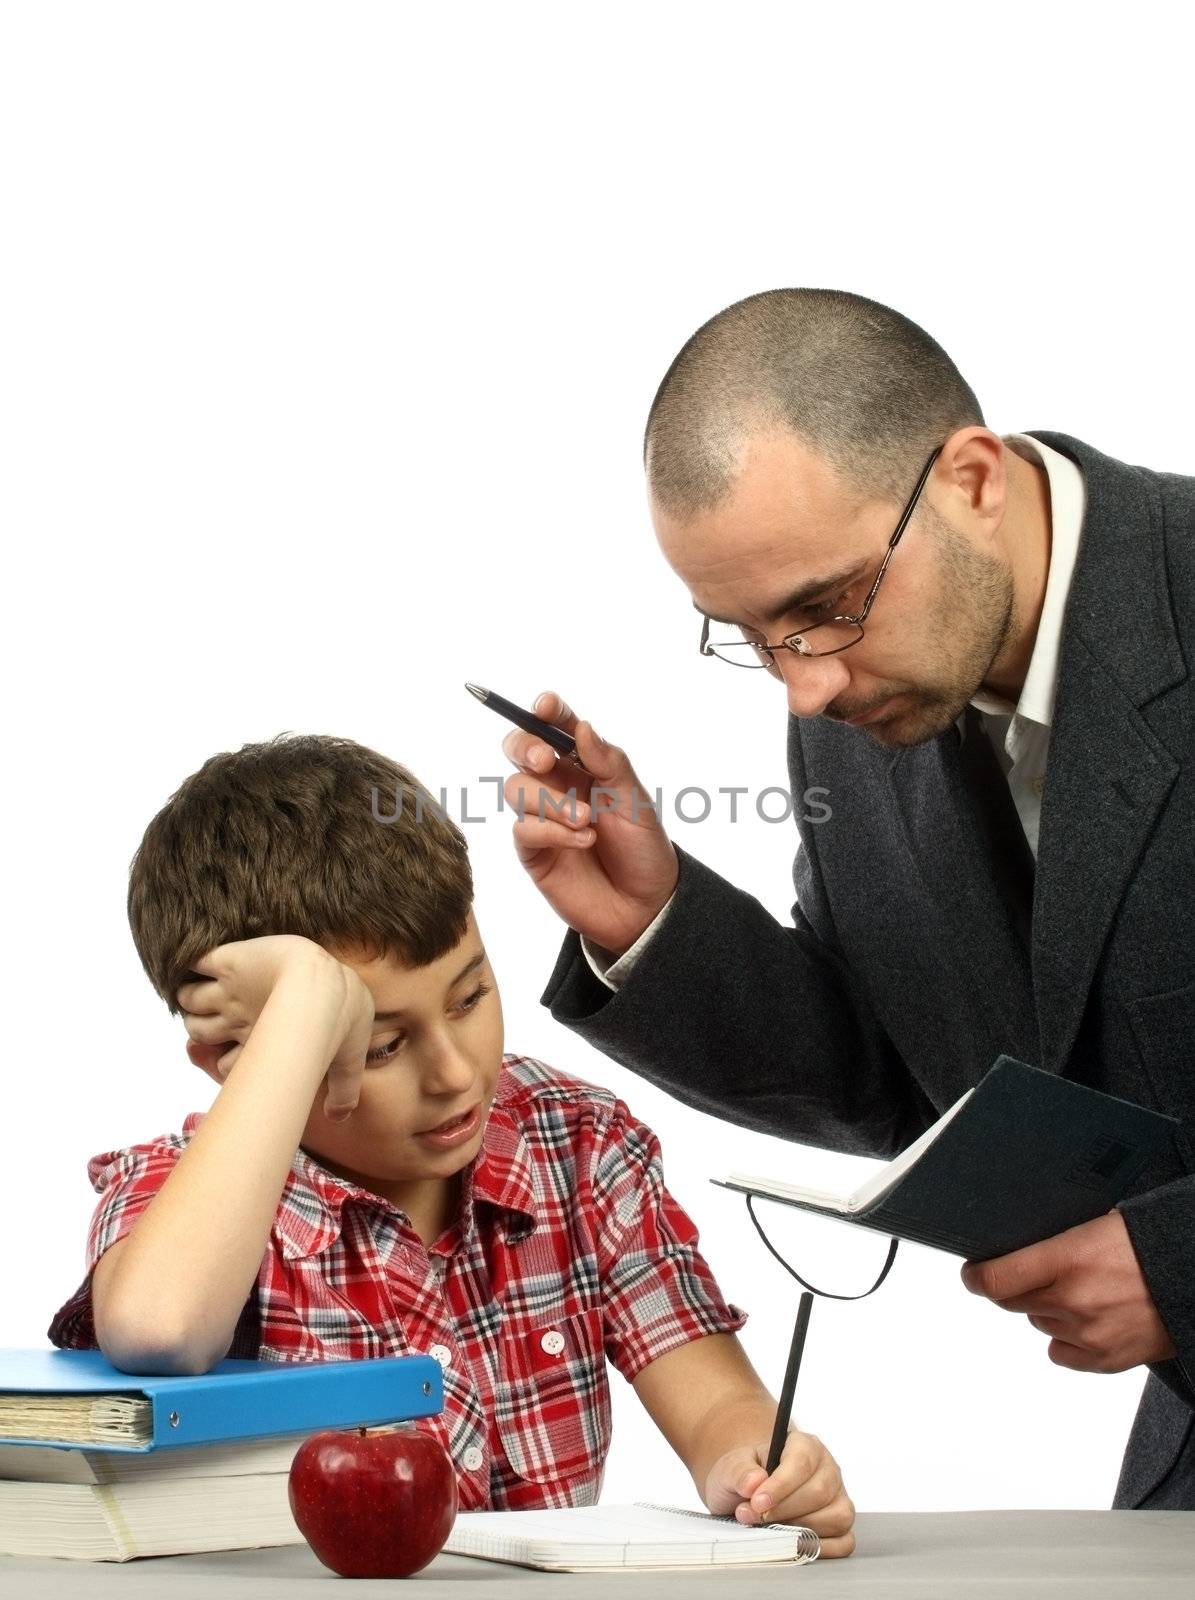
x=805, y=1488
x=590, y=837
x=236, y=980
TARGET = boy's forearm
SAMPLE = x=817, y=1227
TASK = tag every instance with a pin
x=190, y=1262
x=706, y=1397
x=742, y=1420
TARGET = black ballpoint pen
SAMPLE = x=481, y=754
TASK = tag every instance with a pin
x=560, y=741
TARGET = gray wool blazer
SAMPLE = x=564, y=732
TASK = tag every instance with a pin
x=905, y=974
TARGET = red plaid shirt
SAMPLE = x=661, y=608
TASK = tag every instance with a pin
x=567, y=1249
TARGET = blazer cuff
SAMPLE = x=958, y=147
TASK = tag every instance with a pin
x=577, y=989
x=1161, y=1224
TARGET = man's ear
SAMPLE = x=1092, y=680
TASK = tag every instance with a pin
x=972, y=467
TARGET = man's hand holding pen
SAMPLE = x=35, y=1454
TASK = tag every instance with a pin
x=590, y=837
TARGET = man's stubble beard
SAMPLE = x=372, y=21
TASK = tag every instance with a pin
x=975, y=616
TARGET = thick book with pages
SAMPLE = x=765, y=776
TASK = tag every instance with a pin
x=151, y=1513
x=115, y=1505
x=1022, y=1156
x=644, y=1537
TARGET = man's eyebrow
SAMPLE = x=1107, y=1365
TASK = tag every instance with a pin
x=470, y=966
x=799, y=597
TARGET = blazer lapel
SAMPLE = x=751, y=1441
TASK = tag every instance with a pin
x=1107, y=778
x=1108, y=774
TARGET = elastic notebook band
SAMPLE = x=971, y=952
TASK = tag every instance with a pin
x=793, y=1273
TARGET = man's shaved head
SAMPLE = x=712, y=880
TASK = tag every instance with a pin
x=863, y=386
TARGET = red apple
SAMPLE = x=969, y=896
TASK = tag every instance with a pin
x=373, y=1502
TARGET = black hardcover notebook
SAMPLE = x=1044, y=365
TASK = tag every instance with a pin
x=1021, y=1157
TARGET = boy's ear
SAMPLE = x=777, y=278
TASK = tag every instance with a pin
x=206, y=1057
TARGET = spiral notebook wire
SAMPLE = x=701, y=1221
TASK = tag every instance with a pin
x=809, y=1546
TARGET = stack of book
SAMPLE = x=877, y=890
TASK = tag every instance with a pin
x=102, y=1465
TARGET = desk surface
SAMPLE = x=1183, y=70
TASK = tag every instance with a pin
x=1065, y=1555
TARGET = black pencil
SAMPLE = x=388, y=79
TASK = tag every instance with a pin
x=789, y=1388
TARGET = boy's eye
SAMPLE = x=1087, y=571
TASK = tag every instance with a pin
x=383, y=1052
x=471, y=1000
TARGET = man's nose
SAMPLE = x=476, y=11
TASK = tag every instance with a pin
x=811, y=682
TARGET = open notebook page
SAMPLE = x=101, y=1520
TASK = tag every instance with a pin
x=878, y=1184
x=584, y=1537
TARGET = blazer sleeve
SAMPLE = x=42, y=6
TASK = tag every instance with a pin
x=754, y=1022
x=1161, y=1224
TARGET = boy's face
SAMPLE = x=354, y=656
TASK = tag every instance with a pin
x=435, y=1051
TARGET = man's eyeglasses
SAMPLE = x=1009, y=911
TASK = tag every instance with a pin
x=835, y=634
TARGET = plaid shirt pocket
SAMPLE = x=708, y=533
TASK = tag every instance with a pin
x=552, y=1401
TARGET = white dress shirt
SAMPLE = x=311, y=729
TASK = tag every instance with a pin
x=1020, y=733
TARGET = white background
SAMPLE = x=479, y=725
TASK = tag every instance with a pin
x=328, y=336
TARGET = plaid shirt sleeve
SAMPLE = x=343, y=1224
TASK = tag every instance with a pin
x=127, y=1180
x=657, y=1288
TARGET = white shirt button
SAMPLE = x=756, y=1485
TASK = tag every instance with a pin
x=441, y=1353
x=552, y=1342
x=472, y=1458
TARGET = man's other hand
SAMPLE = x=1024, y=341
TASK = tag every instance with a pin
x=1085, y=1290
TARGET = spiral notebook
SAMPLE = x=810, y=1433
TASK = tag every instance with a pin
x=593, y=1538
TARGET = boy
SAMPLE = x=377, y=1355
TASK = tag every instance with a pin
x=374, y=1176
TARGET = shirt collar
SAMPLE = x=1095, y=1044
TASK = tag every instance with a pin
x=1067, y=505
x=310, y=1213
x=503, y=1174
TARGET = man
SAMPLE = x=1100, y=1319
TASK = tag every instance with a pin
x=984, y=645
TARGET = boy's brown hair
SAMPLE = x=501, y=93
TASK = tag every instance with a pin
x=285, y=837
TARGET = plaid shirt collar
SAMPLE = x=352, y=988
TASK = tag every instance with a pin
x=502, y=1175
